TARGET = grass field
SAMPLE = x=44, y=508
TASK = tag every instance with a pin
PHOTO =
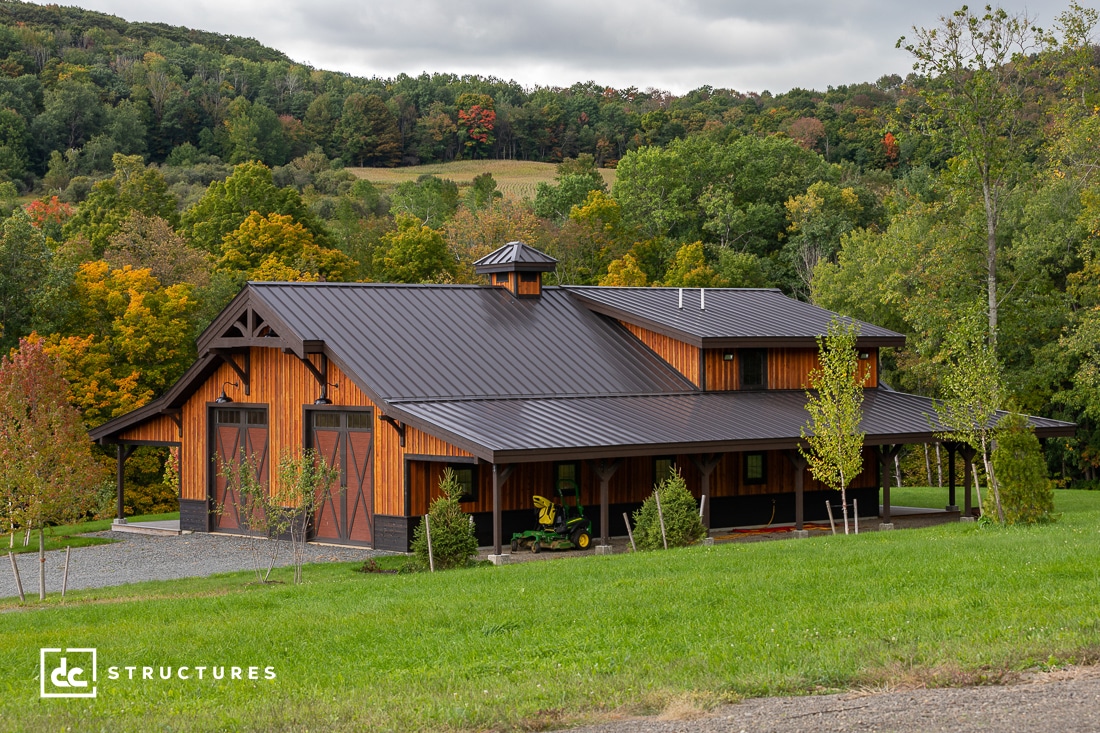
x=545, y=644
x=58, y=538
x=516, y=179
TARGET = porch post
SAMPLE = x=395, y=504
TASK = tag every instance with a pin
x=119, y=478
x=967, y=454
x=799, y=463
x=951, y=504
x=706, y=465
x=886, y=455
x=605, y=470
x=496, y=511
x=123, y=454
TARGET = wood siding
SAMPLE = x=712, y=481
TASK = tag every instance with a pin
x=161, y=429
x=632, y=483
x=787, y=368
x=284, y=385
x=532, y=289
x=684, y=358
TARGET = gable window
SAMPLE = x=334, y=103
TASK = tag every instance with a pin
x=663, y=467
x=466, y=477
x=756, y=468
x=754, y=368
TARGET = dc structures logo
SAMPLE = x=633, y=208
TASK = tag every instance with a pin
x=67, y=672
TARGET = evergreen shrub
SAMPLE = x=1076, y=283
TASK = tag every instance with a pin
x=680, y=512
x=453, y=539
x=1027, y=493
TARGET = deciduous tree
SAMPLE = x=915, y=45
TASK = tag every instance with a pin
x=834, y=398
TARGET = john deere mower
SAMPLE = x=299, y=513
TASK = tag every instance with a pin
x=560, y=526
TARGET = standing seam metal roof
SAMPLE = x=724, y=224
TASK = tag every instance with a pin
x=614, y=425
x=467, y=341
x=730, y=314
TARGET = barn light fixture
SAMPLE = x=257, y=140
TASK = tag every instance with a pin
x=223, y=397
x=323, y=399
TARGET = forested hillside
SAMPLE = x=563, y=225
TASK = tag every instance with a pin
x=147, y=172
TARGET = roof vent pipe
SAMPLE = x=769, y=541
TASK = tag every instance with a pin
x=681, y=298
x=702, y=299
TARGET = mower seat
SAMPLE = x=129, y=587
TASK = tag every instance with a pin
x=547, y=511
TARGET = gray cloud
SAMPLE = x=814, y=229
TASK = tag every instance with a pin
x=668, y=44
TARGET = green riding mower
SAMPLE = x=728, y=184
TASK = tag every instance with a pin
x=560, y=526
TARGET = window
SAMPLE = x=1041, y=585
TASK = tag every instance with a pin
x=257, y=417
x=500, y=278
x=567, y=475
x=359, y=420
x=754, y=368
x=528, y=277
x=325, y=419
x=663, y=468
x=466, y=476
x=755, y=468
x=229, y=417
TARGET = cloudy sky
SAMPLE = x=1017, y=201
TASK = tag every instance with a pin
x=676, y=45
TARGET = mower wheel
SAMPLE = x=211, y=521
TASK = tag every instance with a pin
x=536, y=547
x=515, y=545
x=581, y=539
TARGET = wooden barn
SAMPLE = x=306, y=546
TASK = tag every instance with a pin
x=515, y=386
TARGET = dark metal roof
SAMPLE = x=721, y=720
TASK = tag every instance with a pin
x=732, y=316
x=515, y=257
x=448, y=341
x=592, y=427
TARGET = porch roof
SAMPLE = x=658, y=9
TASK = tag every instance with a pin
x=525, y=430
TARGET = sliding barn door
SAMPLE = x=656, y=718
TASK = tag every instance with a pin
x=238, y=433
x=345, y=512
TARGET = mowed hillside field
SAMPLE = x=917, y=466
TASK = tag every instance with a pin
x=516, y=179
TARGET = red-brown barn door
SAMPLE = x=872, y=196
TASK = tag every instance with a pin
x=344, y=439
x=236, y=429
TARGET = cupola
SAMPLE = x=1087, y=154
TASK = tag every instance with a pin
x=516, y=267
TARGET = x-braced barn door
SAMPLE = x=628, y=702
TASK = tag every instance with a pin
x=344, y=439
x=236, y=429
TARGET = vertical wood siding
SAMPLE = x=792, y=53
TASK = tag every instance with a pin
x=683, y=357
x=161, y=429
x=787, y=368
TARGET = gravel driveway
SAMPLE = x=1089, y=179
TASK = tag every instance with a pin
x=1065, y=701
x=143, y=557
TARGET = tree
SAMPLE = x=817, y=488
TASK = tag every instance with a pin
x=973, y=388
x=49, y=473
x=276, y=247
x=24, y=262
x=483, y=192
x=226, y=204
x=128, y=339
x=976, y=97
x=689, y=269
x=133, y=187
x=1022, y=472
x=305, y=481
x=432, y=200
x=625, y=273
x=453, y=539
x=477, y=117
x=834, y=398
x=415, y=253
x=150, y=242
x=367, y=133
x=679, y=513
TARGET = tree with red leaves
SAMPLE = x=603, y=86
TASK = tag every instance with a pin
x=477, y=119
x=48, y=475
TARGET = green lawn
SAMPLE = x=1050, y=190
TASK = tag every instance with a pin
x=546, y=644
x=58, y=538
